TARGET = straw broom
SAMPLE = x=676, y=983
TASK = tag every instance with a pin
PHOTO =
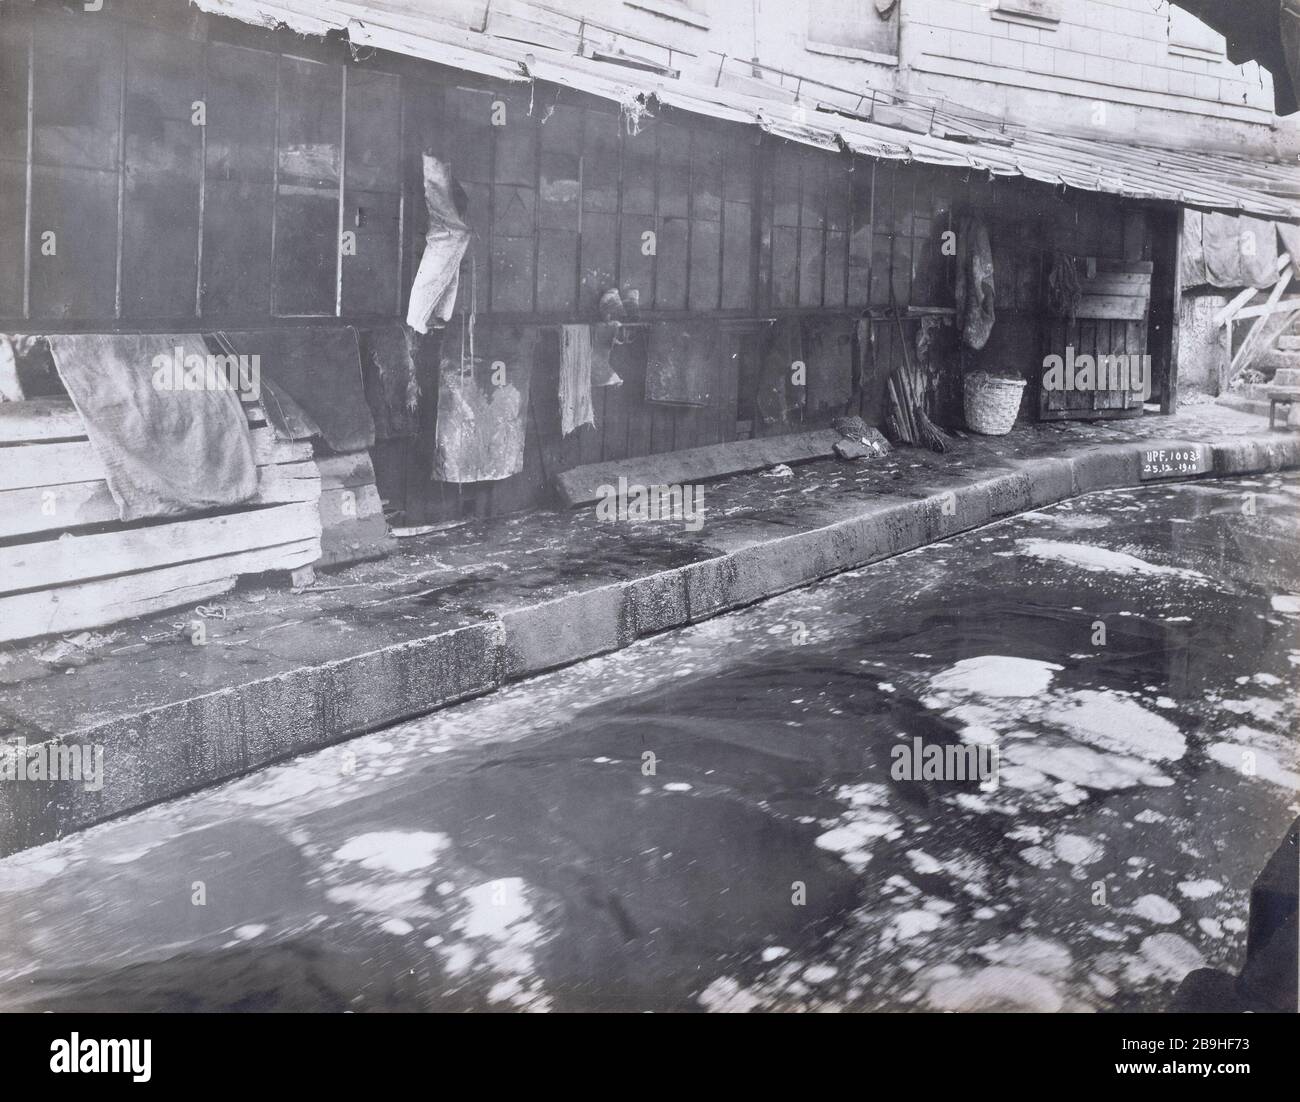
x=905, y=392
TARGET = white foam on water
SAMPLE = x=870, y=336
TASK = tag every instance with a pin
x=1121, y=725
x=290, y=785
x=1099, y=560
x=1211, y=927
x=1046, y=958
x=1250, y=761
x=1155, y=909
x=24, y=872
x=494, y=907
x=1085, y=767
x=912, y=923
x=996, y=988
x=1165, y=957
x=1199, y=889
x=1075, y=849
x=725, y=996
x=996, y=675
x=396, y=851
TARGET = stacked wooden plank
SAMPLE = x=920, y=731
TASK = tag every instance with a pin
x=1115, y=289
x=353, y=527
x=68, y=563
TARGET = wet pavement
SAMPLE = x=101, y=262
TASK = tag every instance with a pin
x=712, y=819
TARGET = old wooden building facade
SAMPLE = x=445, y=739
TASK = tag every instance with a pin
x=771, y=259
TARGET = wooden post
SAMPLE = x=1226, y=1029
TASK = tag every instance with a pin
x=1169, y=389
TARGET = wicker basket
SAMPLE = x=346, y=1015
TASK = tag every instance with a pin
x=991, y=403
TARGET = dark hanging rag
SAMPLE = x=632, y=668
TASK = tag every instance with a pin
x=166, y=449
x=974, y=282
x=319, y=369
x=388, y=367
x=482, y=401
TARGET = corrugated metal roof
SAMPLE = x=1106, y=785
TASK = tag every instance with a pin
x=1205, y=180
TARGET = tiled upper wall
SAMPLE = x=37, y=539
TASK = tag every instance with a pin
x=1162, y=75
x=1141, y=52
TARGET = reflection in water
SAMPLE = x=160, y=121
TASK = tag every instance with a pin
x=709, y=819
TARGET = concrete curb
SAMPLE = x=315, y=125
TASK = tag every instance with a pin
x=179, y=748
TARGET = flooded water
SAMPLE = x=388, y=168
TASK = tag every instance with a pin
x=714, y=819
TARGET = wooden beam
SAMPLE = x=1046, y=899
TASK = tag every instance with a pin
x=1263, y=311
x=1230, y=311
x=1120, y=307
x=76, y=461
x=107, y=601
x=37, y=509
x=38, y=420
x=1250, y=346
x=75, y=559
x=581, y=485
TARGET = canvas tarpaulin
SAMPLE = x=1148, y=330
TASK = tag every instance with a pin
x=1191, y=251
x=166, y=450
x=1290, y=237
x=1219, y=238
x=319, y=369
x=1227, y=251
x=433, y=294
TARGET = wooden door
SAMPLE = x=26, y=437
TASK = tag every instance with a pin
x=1111, y=320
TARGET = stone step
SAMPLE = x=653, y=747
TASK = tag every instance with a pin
x=1275, y=359
x=1289, y=342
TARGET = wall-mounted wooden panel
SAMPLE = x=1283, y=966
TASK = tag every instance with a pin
x=306, y=250
x=240, y=98
x=77, y=76
x=74, y=243
x=236, y=248
x=374, y=132
x=308, y=155
x=370, y=274
x=13, y=204
x=13, y=95
x=163, y=150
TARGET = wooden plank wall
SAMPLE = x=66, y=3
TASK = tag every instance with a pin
x=300, y=136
